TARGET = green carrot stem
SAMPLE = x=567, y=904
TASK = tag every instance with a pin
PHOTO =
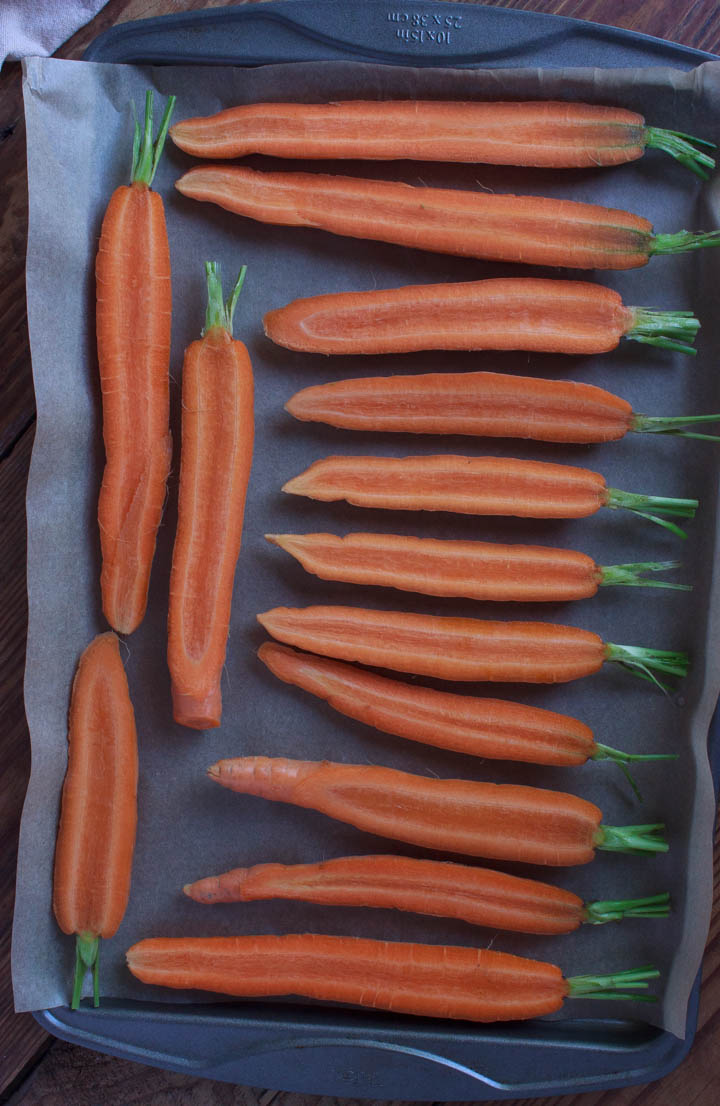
x=146, y=155
x=684, y=148
x=683, y=241
x=87, y=958
x=613, y=910
x=655, y=508
x=674, y=425
x=632, y=839
x=607, y=752
x=220, y=312
x=614, y=986
x=633, y=575
x=666, y=329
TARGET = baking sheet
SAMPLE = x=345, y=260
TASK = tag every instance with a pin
x=79, y=140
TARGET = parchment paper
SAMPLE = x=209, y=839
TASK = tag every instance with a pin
x=79, y=141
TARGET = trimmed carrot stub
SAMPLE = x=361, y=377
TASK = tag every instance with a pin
x=536, y=230
x=440, y=981
x=462, y=648
x=98, y=816
x=217, y=446
x=497, y=820
x=480, y=896
x=134, y=302
x=486, y=404
x=467, y=569
x=492, y=728
x=542, y=133
x=505, y=313
x=479, y=486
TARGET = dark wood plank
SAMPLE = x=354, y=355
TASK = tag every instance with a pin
x=67, y=1073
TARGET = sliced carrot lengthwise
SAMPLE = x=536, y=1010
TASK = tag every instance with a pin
x=217, y=446
x=502, y=821
x=440, y=981
x=506, y=313
x=541, y=133
x=461, y=648
x=480, y=896
x=467, y=569
x=133, y=340
x=483, y=404
x=535, y=230
x=492, y=728
x=479, y=486
x=98, y=817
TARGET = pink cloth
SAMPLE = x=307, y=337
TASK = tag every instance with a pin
x=38, y=27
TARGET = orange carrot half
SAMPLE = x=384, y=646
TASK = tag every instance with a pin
x=480, y=896
x=98, y=817
x=461, y=648
x=544, y=133
x=217, y=445
x=440, y=981
x=536, y=230
x=134, y=301
x=502, y=821
x=492, y=728
x=479, y=486
x=552, y=316
x=487, y=404
x=487, y=571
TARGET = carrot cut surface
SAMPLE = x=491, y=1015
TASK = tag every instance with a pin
x=536, y=230
x=487, y=404
x=217, y=446
x=504, y=313
x=466, y=569
x=133, y=311
x=480, y=896
x=461, y=648
x=502, y=821
x=541, y=133
x=479, y=486
x=98, y=817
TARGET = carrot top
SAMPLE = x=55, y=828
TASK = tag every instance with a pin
x=146, y=153
x=220, y=312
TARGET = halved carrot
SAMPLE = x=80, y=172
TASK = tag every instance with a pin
x=461, y=648
x=552, y=316
x=504, y=821
x=480, y=896
x=98, y=817
x=489, y=571
x=492, y=728
x=536, y=230
x=479, y=486
x=217, y=446
x=543, y=133
x=487, y=404
x=440, y=981
x=134, y=302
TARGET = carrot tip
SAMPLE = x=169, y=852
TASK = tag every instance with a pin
x=214, y=771
x=197, y=713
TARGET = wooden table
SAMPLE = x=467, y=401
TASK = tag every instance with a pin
x=35, y=1069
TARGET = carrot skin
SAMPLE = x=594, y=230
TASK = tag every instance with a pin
x=467, y=569
x=505, y=313
x=483, y=404
x=435, y=981
x=443, y=889
x=536, y=230
x=502, y=821
x=217, y=445
x=465, y=724
x=550, y=134
x=464, y=485
x=133, y=338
